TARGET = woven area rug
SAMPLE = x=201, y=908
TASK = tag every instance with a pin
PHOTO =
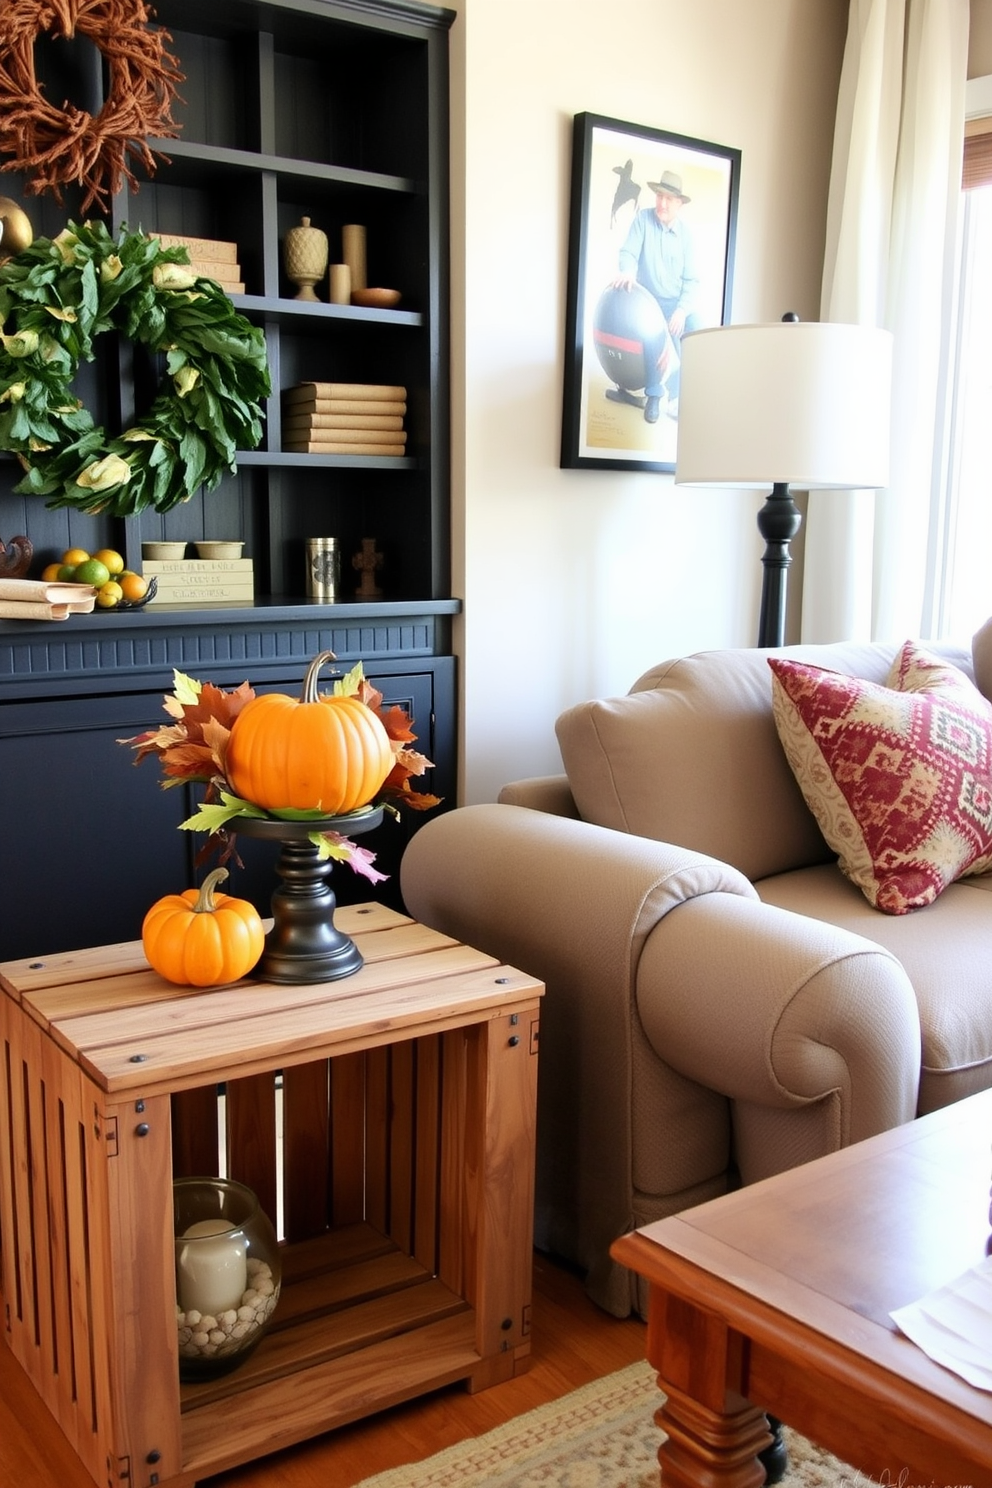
x=600, y=1436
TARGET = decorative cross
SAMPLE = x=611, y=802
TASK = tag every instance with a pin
x=367, y=562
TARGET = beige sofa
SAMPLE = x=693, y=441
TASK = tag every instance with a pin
x=722, y=1003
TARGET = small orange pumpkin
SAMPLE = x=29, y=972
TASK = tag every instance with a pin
x=202, y=939
x=317, y=752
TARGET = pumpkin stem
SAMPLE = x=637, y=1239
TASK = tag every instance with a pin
x=309, y=693
x=205, y=899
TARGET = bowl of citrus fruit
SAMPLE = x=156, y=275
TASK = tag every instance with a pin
x=117, y=587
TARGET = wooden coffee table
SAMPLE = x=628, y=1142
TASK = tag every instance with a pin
x=389, y=1115
x=777, y=1298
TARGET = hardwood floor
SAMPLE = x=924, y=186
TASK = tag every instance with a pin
x=573, y=1342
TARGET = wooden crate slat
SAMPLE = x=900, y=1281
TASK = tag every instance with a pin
x=85, y=1155
x=451, y=1174
x=195, y=1136
x=71, y=968
x=182, y=1057
x=402, y=1130
x=24, y=1330
x=55, y=1067
x=251, y=1137
x=331, y=1291
x=377, y=1139
x=139, y=1283
x=131, y=982
x=345, y=1245
x=498, y=1145
x=41, y=1164
x=8, y=1227
x=368, y=918
x=332, y=1337
x=328, y=1394
x=193, y=1010
x=347, y=1139
x=427, y=1152
x=306, y=1160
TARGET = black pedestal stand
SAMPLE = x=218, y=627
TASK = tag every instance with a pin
x=304, y=945
x=778, y=522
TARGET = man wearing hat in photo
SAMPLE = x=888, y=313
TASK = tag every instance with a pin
x=658, y=253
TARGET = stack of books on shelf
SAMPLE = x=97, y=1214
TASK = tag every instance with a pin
x=202, y=581
x=344, y=418
x=36, y=599
x=209, y=258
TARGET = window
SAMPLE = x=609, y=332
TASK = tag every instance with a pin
x=964, y=579
x=967, y=580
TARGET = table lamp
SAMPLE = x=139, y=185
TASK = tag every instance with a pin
x=795, y=402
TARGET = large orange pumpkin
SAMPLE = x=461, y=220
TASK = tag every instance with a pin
x=313, y=753
x=199, y=939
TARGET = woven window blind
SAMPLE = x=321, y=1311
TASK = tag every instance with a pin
x=977, y=166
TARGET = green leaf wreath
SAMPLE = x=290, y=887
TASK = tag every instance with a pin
x=56, y=297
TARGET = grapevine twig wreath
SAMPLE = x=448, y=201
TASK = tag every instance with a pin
x=56, y=144
x=56, y=297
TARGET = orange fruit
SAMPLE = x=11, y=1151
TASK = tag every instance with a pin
x=91, y=572
x=133, y=586
x=74, y=556
x=50, y=572
x=109, y=595
x=111, y=559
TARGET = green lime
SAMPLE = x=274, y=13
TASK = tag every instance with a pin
x=66, y=573
x=91, y=572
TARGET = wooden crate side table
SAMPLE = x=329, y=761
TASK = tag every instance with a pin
x=387, y=1119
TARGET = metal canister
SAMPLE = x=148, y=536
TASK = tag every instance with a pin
x=323, y=568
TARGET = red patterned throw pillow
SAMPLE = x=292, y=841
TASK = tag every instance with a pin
x=899, y=778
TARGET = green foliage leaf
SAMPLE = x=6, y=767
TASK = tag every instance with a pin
x=72, y=289
x=212, y=818
x=349, y=684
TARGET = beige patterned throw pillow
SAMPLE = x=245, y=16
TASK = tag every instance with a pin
x=899, y=778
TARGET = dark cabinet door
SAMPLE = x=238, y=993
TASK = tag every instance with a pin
x=89, y=841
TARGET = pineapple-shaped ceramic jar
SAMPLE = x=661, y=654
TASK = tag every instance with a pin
x=305, y=257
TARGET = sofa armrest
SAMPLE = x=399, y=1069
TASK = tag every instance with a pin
x=674, y=997
x=783, y=1013
x=573, y=904
x=551, y=793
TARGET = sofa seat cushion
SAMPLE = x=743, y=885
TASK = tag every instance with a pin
x=898, y=776
x=946, y=950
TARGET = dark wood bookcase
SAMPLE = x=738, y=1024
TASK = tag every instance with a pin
x=336, y=110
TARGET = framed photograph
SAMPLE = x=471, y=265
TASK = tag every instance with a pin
x=650, y=258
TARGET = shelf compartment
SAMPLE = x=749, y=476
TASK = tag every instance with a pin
x=192, y=161
x=309, y=318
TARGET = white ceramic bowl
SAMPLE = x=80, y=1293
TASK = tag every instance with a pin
x=163, y=552
x=219, y=549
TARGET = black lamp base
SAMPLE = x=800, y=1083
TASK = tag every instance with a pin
x=778, y=522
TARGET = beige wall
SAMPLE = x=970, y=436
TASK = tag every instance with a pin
x=576, y=581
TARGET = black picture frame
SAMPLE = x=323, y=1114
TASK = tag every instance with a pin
x=608, y=328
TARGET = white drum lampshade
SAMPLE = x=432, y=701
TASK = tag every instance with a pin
x=801, y=403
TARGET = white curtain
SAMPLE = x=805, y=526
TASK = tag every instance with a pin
x=894, y=192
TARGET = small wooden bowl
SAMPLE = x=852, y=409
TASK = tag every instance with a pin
x=376, y=299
